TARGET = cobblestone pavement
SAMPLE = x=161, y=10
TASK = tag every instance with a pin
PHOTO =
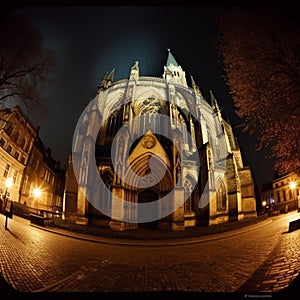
x=280, y=269
x=261, y=258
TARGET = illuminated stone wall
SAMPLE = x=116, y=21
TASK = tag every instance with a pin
x=219, y=187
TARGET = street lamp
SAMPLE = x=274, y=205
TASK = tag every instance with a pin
x=37, y=193
x=293, y=186
x=264, y=203
x=8, y=184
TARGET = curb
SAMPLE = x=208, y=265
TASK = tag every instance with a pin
x=153, y=243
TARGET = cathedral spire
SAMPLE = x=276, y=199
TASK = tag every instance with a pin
x=173, y=73
x=110, y=76
x=134, y=73
x=106, y=80
x=214, y=101
x=171, y=60
x=195, y=86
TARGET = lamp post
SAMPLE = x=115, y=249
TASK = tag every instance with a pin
x=293, y=186
x=8, y=184
x=37, y=194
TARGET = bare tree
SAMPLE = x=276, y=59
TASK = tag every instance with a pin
x=25, y=65
x=259, y=49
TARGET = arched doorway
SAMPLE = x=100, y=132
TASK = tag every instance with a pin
x=147, y=196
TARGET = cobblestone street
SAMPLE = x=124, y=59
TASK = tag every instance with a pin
x=259, y=258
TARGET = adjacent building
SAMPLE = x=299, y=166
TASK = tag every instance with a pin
x=286, y=191
x=266, y=197
x=17, y=137
x=43, y=180
x=193, y=151
x=28, y=173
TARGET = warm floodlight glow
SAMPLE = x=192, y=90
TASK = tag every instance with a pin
x=37, y=193
x=9, y=182
x=293, y=185
x=264, y=203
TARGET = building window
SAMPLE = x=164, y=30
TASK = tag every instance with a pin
x=31, y=160
x=2, y=142
x=6, y=170
x=188, y=190
x=105, y=194
x=278, y=197
x=284, y=195
x=26, y=186
x=9, y=149
x=17, y=136
x=46, y=175
x=25, y=182
x=221, y=195
x=22, y=160
x=9, y=129
x=37, y=164
x=17, y=154
x=27, y=147
x=15, y=176
x=22, y=142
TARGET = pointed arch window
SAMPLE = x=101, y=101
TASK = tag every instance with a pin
x=106, y=193
x=188, y=190
x=221, y=195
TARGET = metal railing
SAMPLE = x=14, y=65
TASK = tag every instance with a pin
x=286, y=206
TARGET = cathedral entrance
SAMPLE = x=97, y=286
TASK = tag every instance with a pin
x=146, y=196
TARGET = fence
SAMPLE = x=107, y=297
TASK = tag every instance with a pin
x=286, y=206
x=26, y=212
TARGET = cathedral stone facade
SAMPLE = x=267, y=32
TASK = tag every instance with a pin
x=192, y=149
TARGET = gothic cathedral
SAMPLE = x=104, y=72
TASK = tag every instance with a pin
x=152, y=152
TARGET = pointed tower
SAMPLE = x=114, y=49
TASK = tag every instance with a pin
x=195, y=87
x=110, y=77
x=214, y=102
x=106, y=80
x=134, y=74
x=173, y=72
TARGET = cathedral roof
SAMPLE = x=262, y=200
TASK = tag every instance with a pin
x=171, y=59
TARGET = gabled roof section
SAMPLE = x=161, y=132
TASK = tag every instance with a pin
x=171, y=60
x=149, y=144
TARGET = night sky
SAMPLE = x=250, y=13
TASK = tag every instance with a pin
x=90, y=40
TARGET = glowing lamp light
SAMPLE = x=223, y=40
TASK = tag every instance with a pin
x=9, y=182
x=264, y=203
x=37, y=193
x=293, y=185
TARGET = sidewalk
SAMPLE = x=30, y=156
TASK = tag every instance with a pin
x=151, y=236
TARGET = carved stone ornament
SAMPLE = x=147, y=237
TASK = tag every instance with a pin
x=148, y=142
